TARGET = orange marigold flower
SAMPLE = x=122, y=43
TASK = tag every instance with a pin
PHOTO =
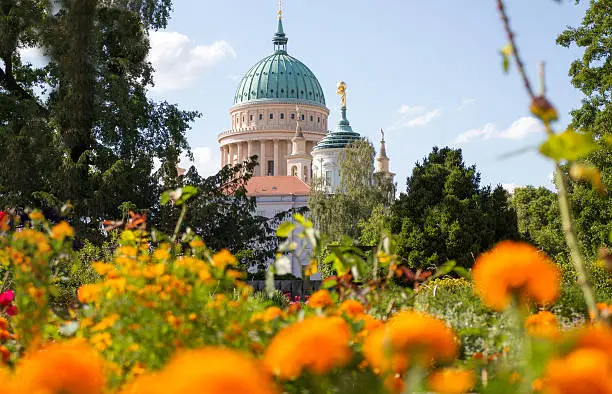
x=542, y=325
x=61, y=231
x=88, y=293
x=407, y=338
x=3, y=323
x=584, y=371
x=320, y=299
x=352, y=308
x=196, y=244
x=597, y=337
x=68, y=368
x=272, y=313
x=223, y=258
x=317, y=344
x=161, y=254
x=5, y=354
x=207, y=371
x=6, y=381
x=451, y=381
x=103, y=268
x=515, y=268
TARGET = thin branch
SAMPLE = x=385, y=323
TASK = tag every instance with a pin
x=569, y=229
x=510, y=34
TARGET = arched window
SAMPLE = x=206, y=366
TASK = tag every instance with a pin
x=282, y=116
x=294, y=171
x=305, y=174
x=292, y=116
x=260, y=116
x=271, y=116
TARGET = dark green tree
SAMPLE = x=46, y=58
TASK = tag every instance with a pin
x=446, y=215
x=82, y=128
x=539, y=220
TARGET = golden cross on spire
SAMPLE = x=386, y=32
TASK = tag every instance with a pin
x=280, y=9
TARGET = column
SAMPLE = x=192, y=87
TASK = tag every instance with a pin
x=276, y=161
x=240, y=152
x=249, y=149
x=262, y=159
x=289, y=147
x=222, y=150
x=232, y=152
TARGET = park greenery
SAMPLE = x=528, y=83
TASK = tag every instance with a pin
x=117, y=277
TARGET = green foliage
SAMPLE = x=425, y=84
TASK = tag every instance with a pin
x=82, y=128
x=539, y=220
x=339, y=214
x=454, y=301
x=568, y=145
x=446, y=215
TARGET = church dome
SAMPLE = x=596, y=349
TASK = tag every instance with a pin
x=280, y=77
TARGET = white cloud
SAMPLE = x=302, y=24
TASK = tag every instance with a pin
x=204, y=160
x=33, y=56
x=466, y=102
x=511, y=187
x=519, y=130
x=417, y=116
x=178, y=61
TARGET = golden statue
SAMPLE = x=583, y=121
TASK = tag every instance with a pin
x=280, y=9
x=342, y=92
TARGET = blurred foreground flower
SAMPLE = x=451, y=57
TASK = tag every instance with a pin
x=515, y=269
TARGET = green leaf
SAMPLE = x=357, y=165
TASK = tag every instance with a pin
x=463, y=272
x=568, y=145
x=329, y=283
x=165, y=198
x=186, y=192
x=445, y=269
x=506, y=52
x=285, y=229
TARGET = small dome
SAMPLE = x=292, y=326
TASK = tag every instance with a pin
x=280, y=77
x=339, y=138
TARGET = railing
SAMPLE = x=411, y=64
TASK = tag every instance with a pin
x=265, y=128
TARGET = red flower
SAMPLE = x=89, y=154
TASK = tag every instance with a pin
x=11, y=310
x=8, y=296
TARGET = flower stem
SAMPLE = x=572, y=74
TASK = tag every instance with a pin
x=179, y=222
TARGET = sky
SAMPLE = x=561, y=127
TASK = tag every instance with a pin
x=428, y=72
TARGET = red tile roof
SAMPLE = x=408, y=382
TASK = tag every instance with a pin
x=277, y=186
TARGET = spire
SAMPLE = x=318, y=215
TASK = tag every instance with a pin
x=280, y=39
x=382, y=160
x=383, y=150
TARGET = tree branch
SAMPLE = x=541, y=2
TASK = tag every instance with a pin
x=8, y=82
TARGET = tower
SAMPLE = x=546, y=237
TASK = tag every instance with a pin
x=382, y=160
x=299, y=162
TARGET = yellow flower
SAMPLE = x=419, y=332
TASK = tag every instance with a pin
x=196, y=244
x=320, y=299
x=451, y=381
x=161, y=254
x=317, y=344
x=105, y=323
x=584, y=371
x=36, y=216
x=207, y=371
x=272, y=313
x=542, y=325
x=88, y=293
x=409, y=337
x=101, y=341
x=33, y=237
x=129, y=251
x=68, y=368
x=515, y=268
x=351, y=308
x=102, y=268
x=223, y=258
x=153, y=270
x=61, y=231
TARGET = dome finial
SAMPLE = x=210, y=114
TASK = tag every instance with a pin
x=342, y=94
x=280, y=39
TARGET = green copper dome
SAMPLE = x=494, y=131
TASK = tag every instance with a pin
x=280, y=77
x=339, y=138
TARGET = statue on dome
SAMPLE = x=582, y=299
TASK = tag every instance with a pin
x=342, y=92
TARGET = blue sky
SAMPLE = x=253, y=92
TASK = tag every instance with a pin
x=428, y=72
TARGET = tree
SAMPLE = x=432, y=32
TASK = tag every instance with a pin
x=338, y=215
x=82, y=129
x=592, y=75
x=539, y=220
x=446, y=215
